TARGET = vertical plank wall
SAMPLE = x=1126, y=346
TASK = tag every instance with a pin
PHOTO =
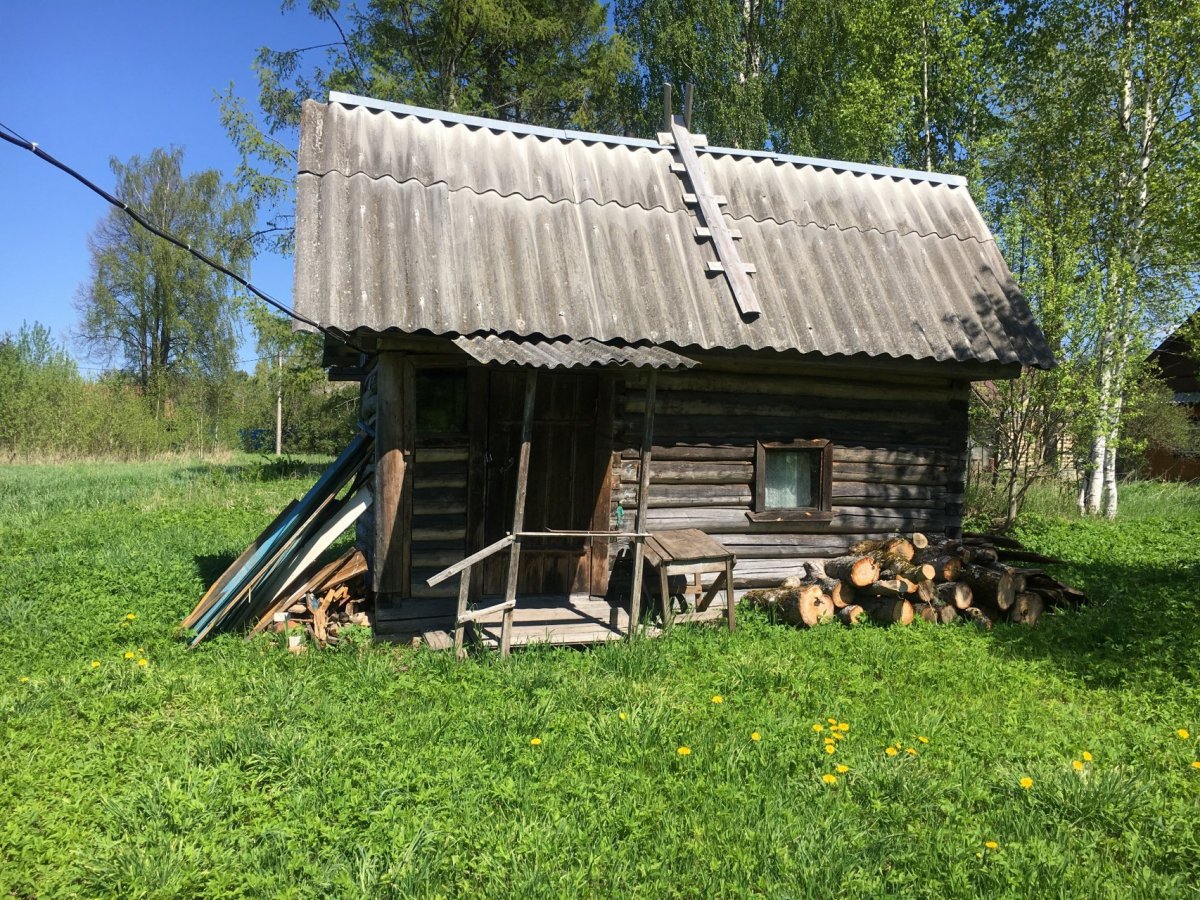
x=898, y=461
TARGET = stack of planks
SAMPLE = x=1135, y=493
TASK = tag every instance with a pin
x=896, y=580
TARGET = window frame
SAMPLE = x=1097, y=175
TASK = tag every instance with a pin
x=822, y=512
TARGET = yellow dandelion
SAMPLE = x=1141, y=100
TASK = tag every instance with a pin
x=828, y=741
x=1183, y=734
x=129, y=654
x=143, y=662
x=829, y=779
x=891, y=751
x=684, y=751
x=717, y=698
x=923, y=740
x=536, y=742
x=991, y=845
x=755, y=736
x=837, y=735
x=831, y=721
x=129, y=617
x=24, y=679
x=1077, y=765
x=1196, y=764
x=843, y=726
x=1087, y=757
x=911, y=751
x=95, y=663
x=818, y=727
x=830, y=748
x=843, y=769
x=622, y=716
x=1026, y=782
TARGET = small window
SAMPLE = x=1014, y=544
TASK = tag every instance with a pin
x=441, y=402
x=793, y=481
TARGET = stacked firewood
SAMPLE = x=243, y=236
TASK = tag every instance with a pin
x=940, y=581
x=323, y=604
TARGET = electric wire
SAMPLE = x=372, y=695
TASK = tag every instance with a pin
x=14, y=138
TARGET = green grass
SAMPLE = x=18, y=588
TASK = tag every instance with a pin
x=240, y=769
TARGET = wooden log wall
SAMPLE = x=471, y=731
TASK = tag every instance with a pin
x=899, y=458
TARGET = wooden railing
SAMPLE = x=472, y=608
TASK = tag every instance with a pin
x=463, y=615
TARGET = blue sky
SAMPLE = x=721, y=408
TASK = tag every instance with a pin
x=91, y=80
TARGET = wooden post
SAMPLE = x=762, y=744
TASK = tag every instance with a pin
x=729, y=601
x=514, y=553
x=464, y=590
x=393, y=438
x=639, y=544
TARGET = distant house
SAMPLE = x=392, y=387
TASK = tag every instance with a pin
x=1179, y=370
x=567, y=341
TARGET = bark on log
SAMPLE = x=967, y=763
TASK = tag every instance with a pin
x=899, y=546
x=858, y=570
x=976, y=615
x=804, y=607
x=850, y=614
x=893, y=587
x=927, y=591
x=955, y=593
x=840, y=593
x=1027, y=608
x=988, y=585
x=947, y=614
x=926, y=612
x=888, y=611
x=982, y=556
x=898, y=565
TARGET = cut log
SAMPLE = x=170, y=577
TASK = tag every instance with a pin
x=982, y=556
x=803, y=607
x=858, y=570
x=976, y=615
x=925, y=612
x=918, y=540
x=989, y=585
x=955, y=593
x=927, y=592
x=892, y=587
x=840, y=593
x=1026, y=609
x=899, y=546
x=888, y=611
x=850, y=614
x=898, y=565
x=947, y=614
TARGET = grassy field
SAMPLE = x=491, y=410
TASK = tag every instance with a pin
x=239, y=769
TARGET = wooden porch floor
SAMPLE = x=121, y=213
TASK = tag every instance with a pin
x=578, y=620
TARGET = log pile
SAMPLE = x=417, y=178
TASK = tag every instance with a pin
x=938, y=581
x=322, y=605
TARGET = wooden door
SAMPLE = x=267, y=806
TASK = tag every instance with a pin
x=568, y=463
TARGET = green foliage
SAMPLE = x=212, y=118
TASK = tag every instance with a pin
x=164, y=314
x=551, y=62
x=242, y=769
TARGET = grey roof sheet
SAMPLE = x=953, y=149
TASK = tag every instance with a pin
x=431, y=224
x=566, y=353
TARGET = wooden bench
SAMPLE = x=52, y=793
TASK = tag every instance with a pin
x=691, y=552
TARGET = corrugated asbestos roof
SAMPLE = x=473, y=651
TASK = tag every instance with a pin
x=428, y=222
x=566, y=354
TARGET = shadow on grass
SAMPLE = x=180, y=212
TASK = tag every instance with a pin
x=281, y=469
x=211, y=567
x=1141, y=626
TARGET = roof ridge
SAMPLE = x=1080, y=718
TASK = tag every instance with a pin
x=806, y=223
x=564, y=134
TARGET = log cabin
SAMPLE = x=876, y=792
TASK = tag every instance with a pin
x=573, y=345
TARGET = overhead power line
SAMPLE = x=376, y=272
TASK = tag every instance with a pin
x=14, y=138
